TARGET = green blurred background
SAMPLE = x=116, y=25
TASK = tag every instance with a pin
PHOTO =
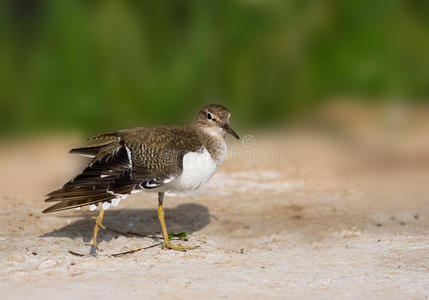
x=101, y=65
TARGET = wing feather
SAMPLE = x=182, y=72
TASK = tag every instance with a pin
x=111, y=174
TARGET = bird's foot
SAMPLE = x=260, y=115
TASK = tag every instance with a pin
x=179, y=247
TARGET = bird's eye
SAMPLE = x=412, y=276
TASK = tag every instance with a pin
x=209, y=116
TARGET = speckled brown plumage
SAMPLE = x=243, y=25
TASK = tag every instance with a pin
x=140, y=158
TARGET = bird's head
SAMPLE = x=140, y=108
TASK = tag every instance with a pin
x=214, y=120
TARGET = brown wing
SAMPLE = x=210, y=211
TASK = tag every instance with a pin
x=130, y=162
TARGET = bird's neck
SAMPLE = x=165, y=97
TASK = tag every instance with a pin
x=214, y=142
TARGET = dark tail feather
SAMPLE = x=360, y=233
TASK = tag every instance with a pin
x=66, y=194
x=72, y=198
x=86, y=151
x=78, y=201
x=90, y=151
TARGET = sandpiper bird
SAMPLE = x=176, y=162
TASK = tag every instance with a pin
x=158, y=159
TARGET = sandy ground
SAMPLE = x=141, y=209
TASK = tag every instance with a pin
x=334, y=212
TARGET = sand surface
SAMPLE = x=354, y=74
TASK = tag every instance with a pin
x=334, y=212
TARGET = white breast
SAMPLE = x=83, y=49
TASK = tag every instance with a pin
x=198, y=167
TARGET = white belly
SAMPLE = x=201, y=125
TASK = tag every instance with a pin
x=198, y=168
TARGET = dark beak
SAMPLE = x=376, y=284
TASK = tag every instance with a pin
x=230, y=131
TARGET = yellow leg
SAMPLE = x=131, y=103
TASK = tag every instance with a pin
x=167, y=243
x=98, y=224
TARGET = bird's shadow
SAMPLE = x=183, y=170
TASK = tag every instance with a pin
x=188, y=217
